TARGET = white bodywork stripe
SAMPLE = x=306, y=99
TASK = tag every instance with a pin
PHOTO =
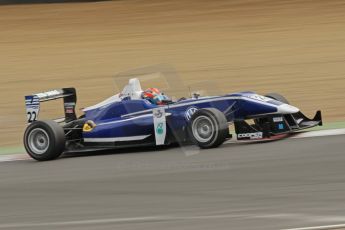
x=196, y=101
x=132, y=118
x=284, y=108
x=114, y=139
x=129, y=119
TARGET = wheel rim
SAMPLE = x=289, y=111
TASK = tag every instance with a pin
x=203, y=129
x=38, y=141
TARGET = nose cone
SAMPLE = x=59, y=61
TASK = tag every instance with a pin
x=287, y=109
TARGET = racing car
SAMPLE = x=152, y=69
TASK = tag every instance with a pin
x=129, y=120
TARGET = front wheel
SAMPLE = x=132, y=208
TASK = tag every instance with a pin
x=44, y=140
x=208, y=128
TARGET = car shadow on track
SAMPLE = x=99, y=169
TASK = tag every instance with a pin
x=130, y=150
x=151, y=149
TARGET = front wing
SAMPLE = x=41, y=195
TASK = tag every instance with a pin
x=273, y=125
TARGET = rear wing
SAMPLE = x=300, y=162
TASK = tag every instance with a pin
x=69, y=96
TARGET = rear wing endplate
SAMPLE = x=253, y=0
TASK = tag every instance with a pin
x=69, y=96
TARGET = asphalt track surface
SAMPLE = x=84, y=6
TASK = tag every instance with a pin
x=277, y=185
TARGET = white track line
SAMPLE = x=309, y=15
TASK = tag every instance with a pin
x=320, y=227
x=169, y=218
x=84, y=222
x=320, y=133
x=14, y=157
x=122, y=220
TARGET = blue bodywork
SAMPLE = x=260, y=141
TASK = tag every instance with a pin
x=128, y=118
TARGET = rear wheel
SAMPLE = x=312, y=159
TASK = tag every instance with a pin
x=208, y=128
x=44, y=140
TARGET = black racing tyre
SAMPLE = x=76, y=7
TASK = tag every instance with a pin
x=278, y=97
x=44, y=140
x=208, y=128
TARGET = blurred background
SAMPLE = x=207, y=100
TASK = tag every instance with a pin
x=296, y=48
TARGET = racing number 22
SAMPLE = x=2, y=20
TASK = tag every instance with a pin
x=32, y=116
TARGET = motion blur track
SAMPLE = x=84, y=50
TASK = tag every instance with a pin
x=284, y=184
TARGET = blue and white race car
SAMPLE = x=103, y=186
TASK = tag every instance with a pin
x=128, y=120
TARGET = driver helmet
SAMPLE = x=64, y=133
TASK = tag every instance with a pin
x=155, y=96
